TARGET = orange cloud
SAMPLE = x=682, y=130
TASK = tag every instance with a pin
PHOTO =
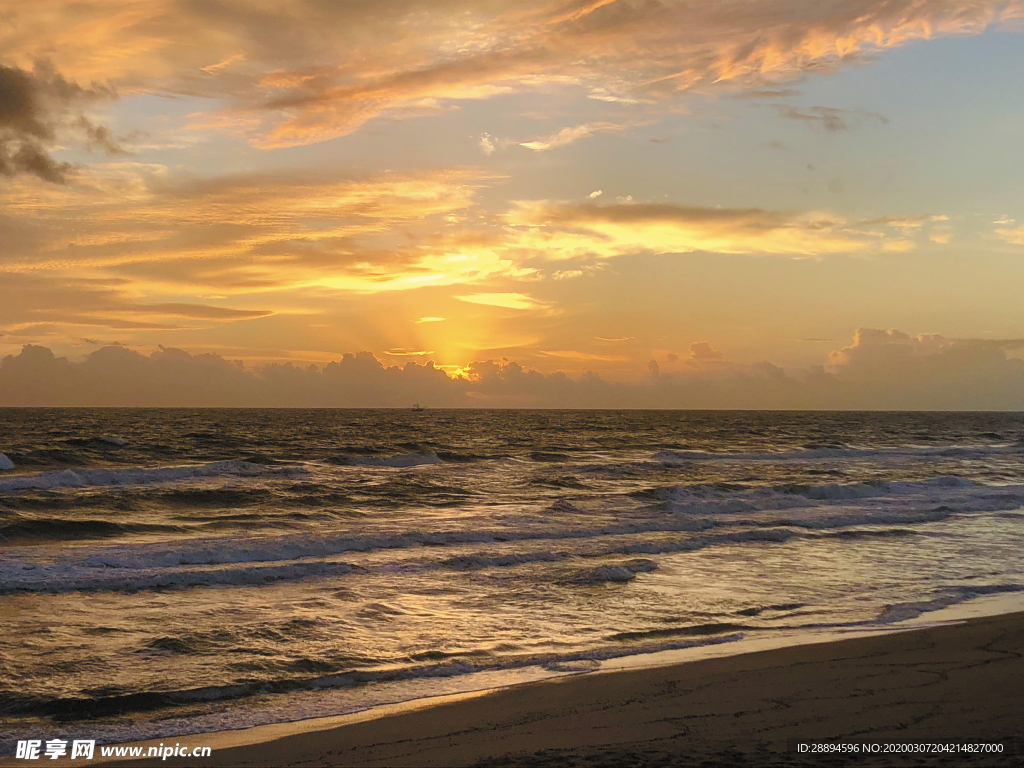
x=330, y=67
x=564, y=231
x=1013, y=236
x=505, y=300
x=275, y=229
x=568, y=136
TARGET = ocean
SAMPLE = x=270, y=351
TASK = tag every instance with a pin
x=169, y=571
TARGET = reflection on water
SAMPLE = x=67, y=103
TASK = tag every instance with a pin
x=167, y=571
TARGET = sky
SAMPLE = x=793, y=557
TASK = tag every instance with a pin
x=602, y=203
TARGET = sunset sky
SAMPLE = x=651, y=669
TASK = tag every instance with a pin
x=633, y=188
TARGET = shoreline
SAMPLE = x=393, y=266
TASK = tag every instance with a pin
x=955, y=681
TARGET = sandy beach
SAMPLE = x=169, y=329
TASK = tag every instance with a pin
x=953, y=685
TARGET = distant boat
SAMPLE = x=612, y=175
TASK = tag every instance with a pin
x=416, y=407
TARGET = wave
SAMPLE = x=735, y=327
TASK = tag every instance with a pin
x=758, y=610
x=898, y=612
x=835, y=491
x=450, y=665
x=481, y=561
x=760, y=495
x=870, y=534
x=759, y=514
x=75, y=578
x=59, y=529
x=221, y=497
x=5, y=463
x=549, y=457
x=614, y=572
x=559, y=482
x=815, y=452
x=668, y=546
x=693, y=629
x=131, y=570
x=107, y=440
x=217, y=640
x=700, y=516
x=833, y=506
x=400, y=460
x=82, y=478
x=465, y=457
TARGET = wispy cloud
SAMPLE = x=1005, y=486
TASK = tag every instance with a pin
x=269, y=230
x=1013, y=236
x=505, y=300
x=572, y=354
x=408, y=352
x=828, y=118
x=39, y=299
x=568, y=136
x=565, y=230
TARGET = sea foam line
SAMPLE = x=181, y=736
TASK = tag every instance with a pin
x=811, y=454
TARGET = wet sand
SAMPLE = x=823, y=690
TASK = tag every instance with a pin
x=956, y=684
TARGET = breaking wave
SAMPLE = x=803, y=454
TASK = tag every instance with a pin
x=451, y=665
x=82, y=478
x=400, y=460
x=845, y=452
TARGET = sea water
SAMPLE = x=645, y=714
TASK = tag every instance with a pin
x=168, y=571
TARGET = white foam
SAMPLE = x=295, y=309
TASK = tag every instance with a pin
x=815, y=454
x=614, y=572
x=81, y=478
x=117, y=440
x=897, y=612
x=834, y=506
x=701, y=516
x=329, y=695
x=5, y=463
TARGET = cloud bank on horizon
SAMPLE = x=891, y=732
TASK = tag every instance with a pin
x=636, y=200
x=880, y=369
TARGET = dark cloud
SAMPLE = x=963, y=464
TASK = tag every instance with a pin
x=929, y=371
x=701, y=350
x=99, y=137
x=36, y=107
x=878, y=370
x=29, y=157
x=828, y=118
